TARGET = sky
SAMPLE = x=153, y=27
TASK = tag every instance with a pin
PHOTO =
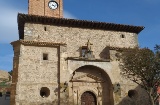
x=130, y=12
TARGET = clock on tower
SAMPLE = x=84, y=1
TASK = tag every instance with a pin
x=53, y=5
x=50, y=8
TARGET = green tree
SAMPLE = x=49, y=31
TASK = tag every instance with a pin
x=142, y=66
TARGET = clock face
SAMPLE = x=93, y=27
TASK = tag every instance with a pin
x=53, y=5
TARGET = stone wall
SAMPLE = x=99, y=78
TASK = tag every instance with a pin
x=32, y=67
x=35, y=73
x=77, y=37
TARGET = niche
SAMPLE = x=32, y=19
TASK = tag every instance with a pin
x=132, y=94
x=44, y=92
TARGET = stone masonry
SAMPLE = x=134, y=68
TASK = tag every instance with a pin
x=77, y=37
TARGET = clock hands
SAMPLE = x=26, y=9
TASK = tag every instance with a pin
x=54, y=5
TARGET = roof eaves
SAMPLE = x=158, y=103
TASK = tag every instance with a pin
x=24, y=18
x=37, y=43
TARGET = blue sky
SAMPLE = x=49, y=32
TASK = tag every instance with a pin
x=132, y=12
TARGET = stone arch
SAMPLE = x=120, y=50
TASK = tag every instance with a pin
x=97, y=81
x=104, y=66
x=90, y=89
x=98, y=67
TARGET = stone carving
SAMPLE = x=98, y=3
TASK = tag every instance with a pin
x=92, y=78
x=89, y=48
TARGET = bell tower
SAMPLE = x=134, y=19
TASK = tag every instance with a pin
x=50, y=8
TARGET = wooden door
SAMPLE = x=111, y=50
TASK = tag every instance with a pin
x=88, y=98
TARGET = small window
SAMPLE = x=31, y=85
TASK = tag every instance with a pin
x=45, y=56
x=45, y=28
x=44, y=92
x=1, y=94
x=122, y=36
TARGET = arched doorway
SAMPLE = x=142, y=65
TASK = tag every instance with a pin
x=88, y=98
x=88, y=79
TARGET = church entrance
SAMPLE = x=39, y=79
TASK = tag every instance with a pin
x=88, y=98
x=91, y=85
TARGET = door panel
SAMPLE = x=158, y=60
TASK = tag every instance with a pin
x=88, y=98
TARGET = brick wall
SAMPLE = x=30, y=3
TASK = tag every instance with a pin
x=40, y=7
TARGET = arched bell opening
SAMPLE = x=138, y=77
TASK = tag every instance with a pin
x=93, y=78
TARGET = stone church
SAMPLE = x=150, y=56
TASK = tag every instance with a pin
x=59, y=61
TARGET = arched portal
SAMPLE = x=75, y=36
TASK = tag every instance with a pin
x=88, y=98
x=92, y=79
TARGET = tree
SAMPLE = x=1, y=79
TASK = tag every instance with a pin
x=142, y=66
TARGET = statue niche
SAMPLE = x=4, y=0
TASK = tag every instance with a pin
x=86, y=51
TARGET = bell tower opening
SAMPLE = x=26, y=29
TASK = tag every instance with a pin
x=50, y=8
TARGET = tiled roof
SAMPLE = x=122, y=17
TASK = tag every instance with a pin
x=37, y=43
x=25, y=18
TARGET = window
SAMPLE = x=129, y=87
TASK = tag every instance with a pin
x=45, y=56
x=122, y=36
x=44, y=92
x=45, y=28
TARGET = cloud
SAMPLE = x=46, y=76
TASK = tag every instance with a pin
x=69, y=15
x=8, y=23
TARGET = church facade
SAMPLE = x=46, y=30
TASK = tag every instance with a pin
x=60, y=61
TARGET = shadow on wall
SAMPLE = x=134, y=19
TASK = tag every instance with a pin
x=137, y=96
x=105, y=53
